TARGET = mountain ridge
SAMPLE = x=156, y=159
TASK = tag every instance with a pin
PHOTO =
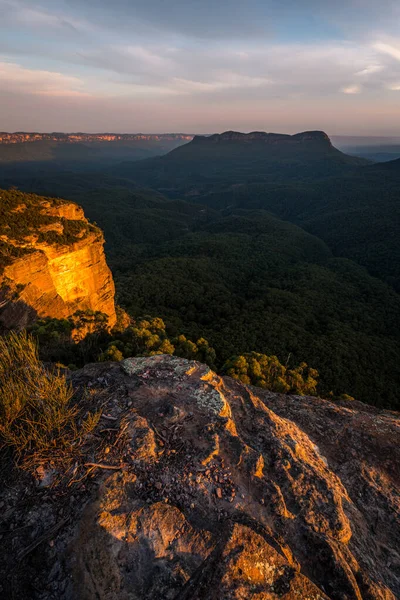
x=82, y=149
x=77, y=137
x=263, y=136
x=236, y=157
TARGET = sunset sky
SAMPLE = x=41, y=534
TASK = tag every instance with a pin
x=200, y=65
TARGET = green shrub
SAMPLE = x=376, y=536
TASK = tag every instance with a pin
x=112, y=354
x=267, y=372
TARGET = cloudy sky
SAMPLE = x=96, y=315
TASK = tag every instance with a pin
x=200, y=65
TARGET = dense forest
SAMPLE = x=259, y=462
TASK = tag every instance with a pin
x=294, y=254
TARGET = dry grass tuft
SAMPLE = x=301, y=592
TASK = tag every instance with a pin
x=37, y=416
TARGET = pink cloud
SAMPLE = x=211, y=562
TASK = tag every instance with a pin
x=15, y=78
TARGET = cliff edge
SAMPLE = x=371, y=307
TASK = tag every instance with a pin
x=202, y=488
x=52, y=261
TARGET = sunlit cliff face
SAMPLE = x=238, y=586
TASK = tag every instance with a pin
x=56, y=280
x=81, y=277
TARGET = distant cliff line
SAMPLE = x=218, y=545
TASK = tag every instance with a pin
x=79, y=137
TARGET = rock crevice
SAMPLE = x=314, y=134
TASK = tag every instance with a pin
x=216, y=490
x=264, y=516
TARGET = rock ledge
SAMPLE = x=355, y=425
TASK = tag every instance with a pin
x=229, y=492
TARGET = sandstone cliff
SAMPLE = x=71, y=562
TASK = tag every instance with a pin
x=202, y=488
x=52, y=262
x=74, y=138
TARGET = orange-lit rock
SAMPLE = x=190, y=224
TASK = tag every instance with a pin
x=57, y=276
x=271, y=516
x=197, y=487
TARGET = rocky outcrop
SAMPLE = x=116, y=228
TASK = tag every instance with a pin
x=206, y=489
x=55, y=268
x=57, y=282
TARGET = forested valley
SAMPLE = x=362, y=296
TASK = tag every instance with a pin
x=287, y=249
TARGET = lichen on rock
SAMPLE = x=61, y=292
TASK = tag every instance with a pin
x=279, y=498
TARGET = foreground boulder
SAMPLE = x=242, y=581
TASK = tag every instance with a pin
x=215, y=490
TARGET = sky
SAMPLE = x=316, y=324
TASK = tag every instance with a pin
x=200, y=66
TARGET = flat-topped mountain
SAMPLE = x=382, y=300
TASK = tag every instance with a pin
x=260, y=146
x=262, y=136
x=52, y=262
x=235, y=157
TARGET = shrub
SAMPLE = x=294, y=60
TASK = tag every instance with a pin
x=267, y=372
x=112, y=353
x=201, y=350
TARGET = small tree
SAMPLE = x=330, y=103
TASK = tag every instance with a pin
x=149, y=337
x=267, y=372
x=112, y=353
x=201, y=350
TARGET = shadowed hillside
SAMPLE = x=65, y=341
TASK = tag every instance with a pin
x=260, y=265
x=82, y=150
x=234, y=157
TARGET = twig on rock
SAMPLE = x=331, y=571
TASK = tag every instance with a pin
x=42, y=538
x=101, y=466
